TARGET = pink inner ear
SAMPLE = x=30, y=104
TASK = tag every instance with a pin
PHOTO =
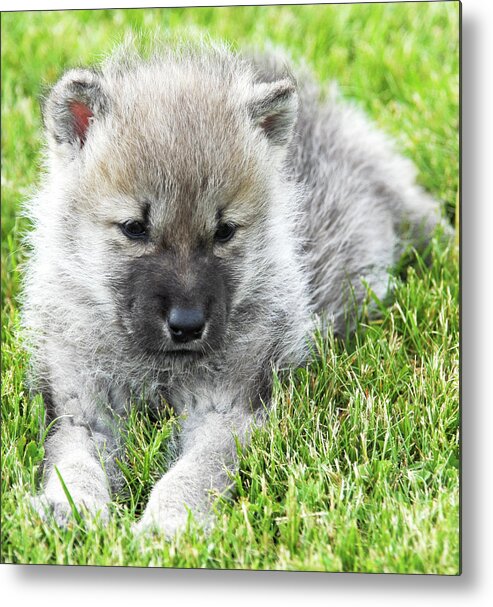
x=81, y=114
x=268, y=123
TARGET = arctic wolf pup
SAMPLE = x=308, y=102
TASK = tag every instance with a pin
x=199, y=208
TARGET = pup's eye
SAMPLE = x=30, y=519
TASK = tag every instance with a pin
x=224, y=232
x=135, y=230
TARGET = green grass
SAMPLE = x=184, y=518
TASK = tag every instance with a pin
x=358, y=468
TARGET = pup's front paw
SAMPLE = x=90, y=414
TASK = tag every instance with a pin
x=57, y=508
x=169, y=516
x=159, y=521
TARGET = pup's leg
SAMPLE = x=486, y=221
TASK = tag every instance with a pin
x=82, y=454
x=208, y=452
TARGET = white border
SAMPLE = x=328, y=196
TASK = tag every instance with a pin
x=23, y=5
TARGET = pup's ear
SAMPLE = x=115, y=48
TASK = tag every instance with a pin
x=75, y=101
x=274, y=109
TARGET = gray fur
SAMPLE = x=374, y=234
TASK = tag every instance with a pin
x=191, y=136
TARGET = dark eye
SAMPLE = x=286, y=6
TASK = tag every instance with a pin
x=224, y=232
x=135, y=230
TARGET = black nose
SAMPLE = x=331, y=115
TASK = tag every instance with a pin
x=186, y=324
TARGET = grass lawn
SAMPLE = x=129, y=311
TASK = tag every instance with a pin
x=358, y=468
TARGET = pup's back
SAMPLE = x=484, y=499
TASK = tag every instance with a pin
x=362, y=205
